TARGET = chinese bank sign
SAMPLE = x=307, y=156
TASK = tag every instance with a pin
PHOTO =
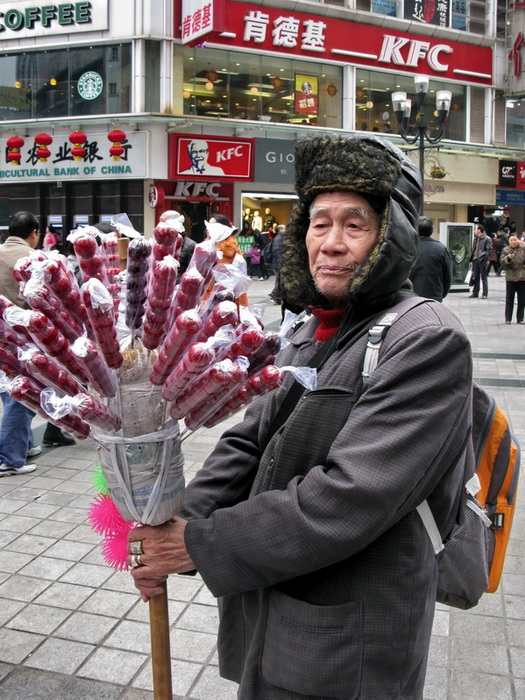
x=23, y=18
x=97, y=164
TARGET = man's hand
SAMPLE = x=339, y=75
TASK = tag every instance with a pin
x=164, y=553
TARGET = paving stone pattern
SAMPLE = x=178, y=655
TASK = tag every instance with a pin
x=73, y=628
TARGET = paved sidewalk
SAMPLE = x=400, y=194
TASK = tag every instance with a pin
x=73, y=629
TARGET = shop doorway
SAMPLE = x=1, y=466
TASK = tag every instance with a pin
x=264, y=211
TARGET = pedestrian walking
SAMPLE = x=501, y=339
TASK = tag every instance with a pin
x=431, y=275
x=479, y=258
x=513, y=262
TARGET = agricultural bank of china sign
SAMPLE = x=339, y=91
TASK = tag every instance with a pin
x=97, y=164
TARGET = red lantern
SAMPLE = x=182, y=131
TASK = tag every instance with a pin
x=14, y=144
x=116, y=137
x=116, y=152
x=78, y=139
x=43, y=140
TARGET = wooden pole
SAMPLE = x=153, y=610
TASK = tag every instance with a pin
x=160, y=646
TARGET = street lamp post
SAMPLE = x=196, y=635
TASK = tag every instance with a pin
x=418, y=133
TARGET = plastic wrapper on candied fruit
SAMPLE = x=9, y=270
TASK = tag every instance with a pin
x=38, y=365
x=48, y=338
x=180, y=336
x=158, y=302
x=139, y=253
x=82, y=405
x=102, y=319
x=263, y=382
x=168, y=236
x=27, y=391
x=100, y=376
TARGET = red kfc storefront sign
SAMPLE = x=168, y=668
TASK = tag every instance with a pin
x=199, y=19
x=269, y=29
x=196, y=157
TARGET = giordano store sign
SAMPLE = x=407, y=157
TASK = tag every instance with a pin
x=97, y=164
x=22, y=18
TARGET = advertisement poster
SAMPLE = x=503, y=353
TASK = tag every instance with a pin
x=428, y=11
x=210, y=157
x=306, y=94
x=458, y=239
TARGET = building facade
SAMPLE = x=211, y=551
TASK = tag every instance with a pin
x=138, y=106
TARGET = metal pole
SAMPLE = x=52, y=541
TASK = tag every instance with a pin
x=422, y=166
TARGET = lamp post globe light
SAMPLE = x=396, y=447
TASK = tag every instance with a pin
x=419, y=132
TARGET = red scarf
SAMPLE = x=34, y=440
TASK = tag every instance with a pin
x=330, y=321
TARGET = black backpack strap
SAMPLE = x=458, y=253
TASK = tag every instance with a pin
x=375, y=337
x=378, y=331
x=297, y=390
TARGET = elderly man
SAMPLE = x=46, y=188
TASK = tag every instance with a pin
x=303, y=520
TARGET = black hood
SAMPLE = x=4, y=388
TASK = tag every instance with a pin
x=375, y=169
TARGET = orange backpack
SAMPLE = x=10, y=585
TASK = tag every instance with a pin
x=497, y=456
x=470, y=561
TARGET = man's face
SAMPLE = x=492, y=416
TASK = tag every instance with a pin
x=342, y=232
x=480, y=232
x=514, y=241
x=198, y=151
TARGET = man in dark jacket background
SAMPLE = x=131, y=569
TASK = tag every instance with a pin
x=479, y=258
x=431, y=275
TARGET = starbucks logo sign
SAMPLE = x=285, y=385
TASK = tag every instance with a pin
x=90, y=85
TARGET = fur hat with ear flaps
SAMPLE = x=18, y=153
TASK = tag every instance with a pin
x=378, y=171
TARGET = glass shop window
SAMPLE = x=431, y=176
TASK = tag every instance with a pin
x=43, y=84
x=220, y=83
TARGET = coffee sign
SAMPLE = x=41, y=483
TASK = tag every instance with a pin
x=24, y=18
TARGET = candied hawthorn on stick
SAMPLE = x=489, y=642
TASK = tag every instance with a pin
x=27, y=392
x=158, y=302
x=101, y=378
x=50, y=340
x=198, y=358
x=139, y=251
x=179, y=338
x=100, y=310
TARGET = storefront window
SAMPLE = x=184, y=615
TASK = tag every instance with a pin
x=373, y=103
x=42, y=84
x=247, y=86
x=515, y=123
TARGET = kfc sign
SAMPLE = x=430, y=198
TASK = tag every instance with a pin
x=410, y=52
x=297, y=35
x=195, y=157
x=200, y=18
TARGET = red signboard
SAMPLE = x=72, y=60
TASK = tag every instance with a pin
x=199, y=19
x=512, y=174
x=296, y=34
x=520, y=176
x=195, y=157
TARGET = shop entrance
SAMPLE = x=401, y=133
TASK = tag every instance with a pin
x=264, y=211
